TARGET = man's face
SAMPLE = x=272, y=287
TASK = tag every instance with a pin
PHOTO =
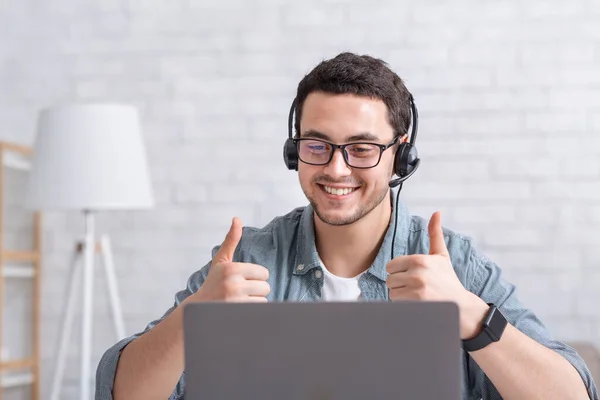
x=340, y=194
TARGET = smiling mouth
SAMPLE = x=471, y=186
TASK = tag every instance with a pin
x=339, y=191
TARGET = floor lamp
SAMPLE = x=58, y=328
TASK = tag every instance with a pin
x=88, y=158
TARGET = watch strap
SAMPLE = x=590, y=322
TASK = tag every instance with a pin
x=493, y=327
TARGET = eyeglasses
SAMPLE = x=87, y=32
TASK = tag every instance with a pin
x=357, y=155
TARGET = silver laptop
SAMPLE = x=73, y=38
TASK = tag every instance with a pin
x=322, y=351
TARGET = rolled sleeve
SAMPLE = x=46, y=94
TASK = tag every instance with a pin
x=488, y=283
x=107, y=367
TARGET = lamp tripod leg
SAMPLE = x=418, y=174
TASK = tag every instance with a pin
x=67, y=323
x=87, y=312
x=113, y=292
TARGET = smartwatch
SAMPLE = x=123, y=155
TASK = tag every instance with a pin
x=494, y=324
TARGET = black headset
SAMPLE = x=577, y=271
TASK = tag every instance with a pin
x=406, y=160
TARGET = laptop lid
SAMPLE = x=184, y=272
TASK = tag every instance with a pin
x=322, y=350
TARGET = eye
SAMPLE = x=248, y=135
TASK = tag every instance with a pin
x=317, y=147
x=362, y=150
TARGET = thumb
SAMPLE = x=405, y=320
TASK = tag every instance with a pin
x=437, y=245
x=225, y=253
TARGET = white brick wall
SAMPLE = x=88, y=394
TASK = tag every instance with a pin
x=510, y=114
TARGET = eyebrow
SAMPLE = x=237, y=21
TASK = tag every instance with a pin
x=366, y=136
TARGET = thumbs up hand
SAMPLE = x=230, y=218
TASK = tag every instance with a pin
x=431, y=277
x=233, y=281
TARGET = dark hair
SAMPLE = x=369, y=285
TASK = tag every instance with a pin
x=361, y=75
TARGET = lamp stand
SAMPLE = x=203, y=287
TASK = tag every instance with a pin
x=86, y=249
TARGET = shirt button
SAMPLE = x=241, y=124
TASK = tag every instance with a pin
x=300, y=267
x=318, y=274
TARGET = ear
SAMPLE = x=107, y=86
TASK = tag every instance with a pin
x=403, y=139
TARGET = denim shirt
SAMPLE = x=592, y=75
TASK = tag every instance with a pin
x=286, y=246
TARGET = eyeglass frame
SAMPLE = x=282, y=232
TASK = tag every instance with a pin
x=342, y=147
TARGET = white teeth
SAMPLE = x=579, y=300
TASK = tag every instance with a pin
x=338, y=192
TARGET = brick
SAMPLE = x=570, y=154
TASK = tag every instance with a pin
x=539, y=292
x=571, y=234
x=463, y=11
x=572, y=215
x=582, y=76
x=580, y=168
x=449, y=78
x=190, y=65
x=493, y=147
x=490, y=192
x=595, y=214
x=483, y=55
x=500, y=124
x=189, y=194
x=262, y=85
x=268, y=128
x=539, y=214
x=515, y=238
x=239, y=193
x=578, y=54
x=571, y=99
x=525, y=169
x=485, y=101
x=91, y=90
x=259, y=62
x=422, y=34
x=357, y=13
x=257, y=151
x=466, y=170
x=295, y=16
x=142, y=6
x=556, y=122
x=429, y=56
x=208, y=215
x=571, y=328
x=178, y=154
x=161, y=44
x=594, y=121
x=586, y=307
x=264, y=173
x=553, y=9
x=549, y=258
x=163, y=132
x=567, y=190
x=484, y=214
x=519, y=77
x=276, y=106
x=556, y=77
x=182, y=174
x=200, y=131
x=234, y=17
x=585, y=145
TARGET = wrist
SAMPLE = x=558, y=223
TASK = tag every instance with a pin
x=176, y=316
x=472, y=315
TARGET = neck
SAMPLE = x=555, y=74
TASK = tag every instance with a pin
x=349, y=250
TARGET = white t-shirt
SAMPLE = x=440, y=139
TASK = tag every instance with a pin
x=336, y=288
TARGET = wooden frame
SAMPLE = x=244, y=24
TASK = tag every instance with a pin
x=33, y=257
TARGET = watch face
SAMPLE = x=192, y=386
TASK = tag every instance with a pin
x=496, y=325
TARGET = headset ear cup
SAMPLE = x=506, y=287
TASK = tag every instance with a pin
x=406, y=158
x=290, y=155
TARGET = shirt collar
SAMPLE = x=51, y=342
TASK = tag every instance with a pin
x=307, y=257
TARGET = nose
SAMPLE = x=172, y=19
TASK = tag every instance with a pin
x=337, y=166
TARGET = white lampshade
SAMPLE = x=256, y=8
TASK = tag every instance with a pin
x=89, y=157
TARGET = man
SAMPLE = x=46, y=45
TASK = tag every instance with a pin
x=340, y=248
